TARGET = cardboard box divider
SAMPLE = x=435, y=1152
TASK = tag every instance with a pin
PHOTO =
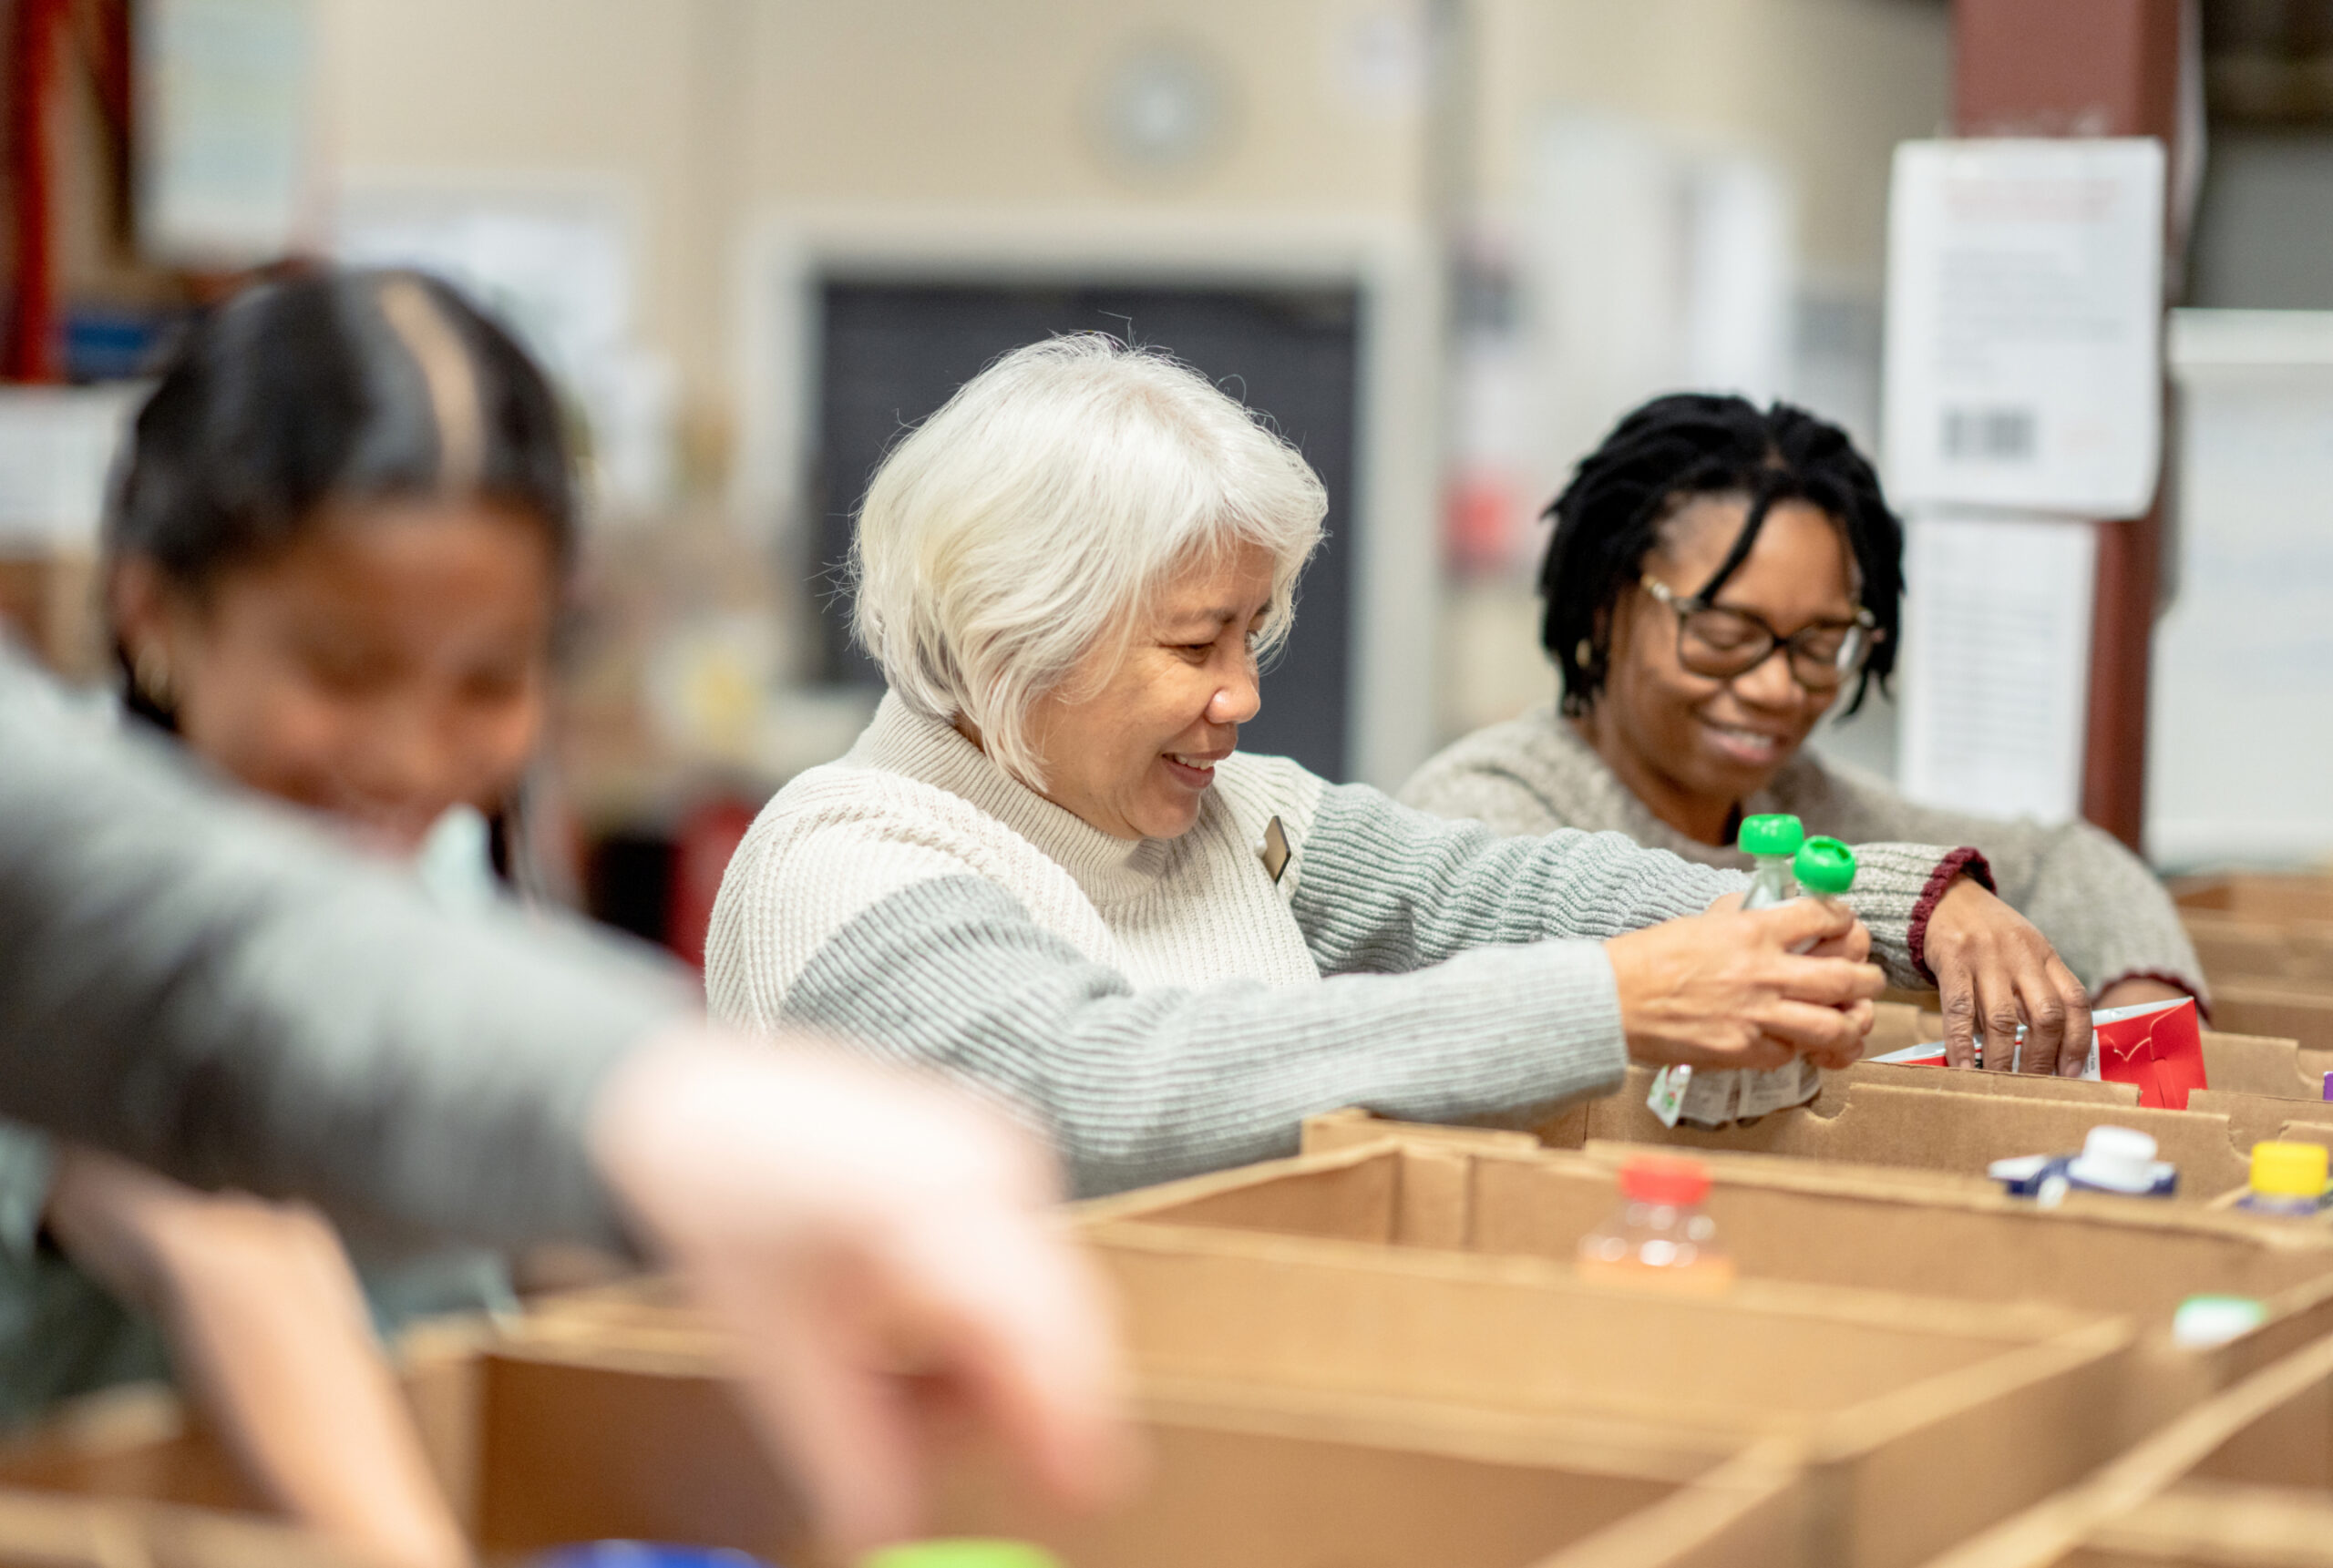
x=2245, y=1480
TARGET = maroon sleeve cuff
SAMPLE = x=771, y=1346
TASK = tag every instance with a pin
x=1962, y=862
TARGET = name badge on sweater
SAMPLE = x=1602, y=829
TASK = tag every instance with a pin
x=1272, y=849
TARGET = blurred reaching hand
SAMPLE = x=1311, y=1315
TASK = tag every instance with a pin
x=888, y=1259
x=270, y=1335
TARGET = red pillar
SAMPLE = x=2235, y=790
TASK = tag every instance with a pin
x=2090, y=67
x=32, y=75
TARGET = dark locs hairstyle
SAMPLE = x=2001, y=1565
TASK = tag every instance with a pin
x=341, y=385
x=1687, y=445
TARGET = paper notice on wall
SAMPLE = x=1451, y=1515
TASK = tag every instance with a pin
x=1996, y=664
x=225, y=129
x=2024, y=325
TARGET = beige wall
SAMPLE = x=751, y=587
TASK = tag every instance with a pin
x=712, y=111
x=1825, y=87
x=715, y=112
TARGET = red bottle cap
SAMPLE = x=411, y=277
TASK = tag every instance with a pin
x=1665, y=1179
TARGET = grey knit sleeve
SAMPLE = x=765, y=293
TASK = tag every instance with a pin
x=1139, y=1086
x=2104, y=911
x=1382, y=888
x=207, y=985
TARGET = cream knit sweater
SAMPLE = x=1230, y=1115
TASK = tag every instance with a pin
x=1163, y=1007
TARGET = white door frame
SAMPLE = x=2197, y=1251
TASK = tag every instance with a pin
x=1397, y=459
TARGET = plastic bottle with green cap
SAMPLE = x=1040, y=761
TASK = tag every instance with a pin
x=964, y=1554
x=1786, y=862
x=2287, y=1179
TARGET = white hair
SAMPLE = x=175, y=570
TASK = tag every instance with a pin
x=1033, y=520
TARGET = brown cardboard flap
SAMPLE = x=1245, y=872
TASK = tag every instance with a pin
x=1873, y=1123
x=2282, y=1009
x=1345, y=1129
x=1960, y=1081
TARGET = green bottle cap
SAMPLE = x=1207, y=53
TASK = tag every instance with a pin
x=1775, y=834
x=960, y=1554
x=1824, y=865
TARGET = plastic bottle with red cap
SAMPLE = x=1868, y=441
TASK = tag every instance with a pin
x=1660, y=1236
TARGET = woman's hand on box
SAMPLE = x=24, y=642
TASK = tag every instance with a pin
x=1995, y=974
x=891, y=1260
x=1726, y=989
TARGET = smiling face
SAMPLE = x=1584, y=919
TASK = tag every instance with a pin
x=1130, y=745
x=390, y=662
x=1690, y=747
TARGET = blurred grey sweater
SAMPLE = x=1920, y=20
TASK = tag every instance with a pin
x=205, y=984
x=2108, y=915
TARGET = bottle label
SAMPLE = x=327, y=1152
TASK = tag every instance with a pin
x=1667, y=1099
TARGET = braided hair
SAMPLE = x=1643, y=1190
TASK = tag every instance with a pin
x=1689, y=445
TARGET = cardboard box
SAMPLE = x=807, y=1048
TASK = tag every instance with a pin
x=2295, y=1009
x=606, y=1417
x=2257, y=895
x=2243, y=1481
x=1841, y=1225
x=1887, y=1393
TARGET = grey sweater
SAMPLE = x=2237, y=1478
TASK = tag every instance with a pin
x=2103, y=909
x=205, y=984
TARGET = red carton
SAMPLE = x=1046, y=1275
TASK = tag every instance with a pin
x=2158, y=1046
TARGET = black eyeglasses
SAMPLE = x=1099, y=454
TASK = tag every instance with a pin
x=1721, y=643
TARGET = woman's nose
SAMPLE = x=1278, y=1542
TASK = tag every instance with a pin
x=1769, y=683
x=1237, y=701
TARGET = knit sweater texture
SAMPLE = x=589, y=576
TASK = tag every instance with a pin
x=2099, y=905
x=1162, y=1007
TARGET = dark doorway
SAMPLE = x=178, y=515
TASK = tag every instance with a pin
x=892, y=353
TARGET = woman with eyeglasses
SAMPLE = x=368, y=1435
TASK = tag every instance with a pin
x=1720, y=578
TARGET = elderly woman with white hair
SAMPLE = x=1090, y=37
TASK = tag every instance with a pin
x=1045, y=868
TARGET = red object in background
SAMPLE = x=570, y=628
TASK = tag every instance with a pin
x=34, y=49
x=1478, y=522
x=701, y=847
x=2160, y=1050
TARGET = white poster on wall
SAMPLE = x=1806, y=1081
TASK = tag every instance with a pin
x=2024, y=325
x=225, y=129
x=57, y=449
x=1995, y=674
x=2239, y=727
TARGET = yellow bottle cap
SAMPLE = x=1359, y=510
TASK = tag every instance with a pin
x=2289, y=1170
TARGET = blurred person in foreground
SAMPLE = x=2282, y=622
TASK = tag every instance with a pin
x=211, y=988
x=1045, y=867
x=334, y=566
x=1718, y=577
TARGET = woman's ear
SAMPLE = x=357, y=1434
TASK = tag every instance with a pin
x=138, y=607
